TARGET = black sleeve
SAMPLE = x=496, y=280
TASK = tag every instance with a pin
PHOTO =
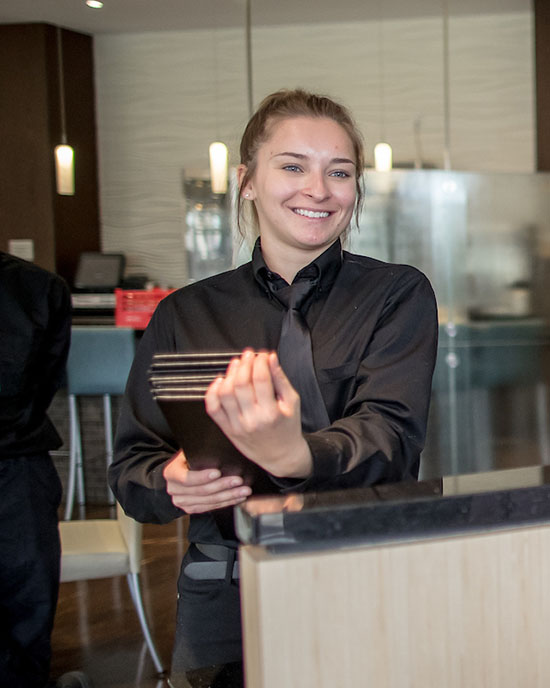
x=56, y=341
x=383, y=428
x=143, y=441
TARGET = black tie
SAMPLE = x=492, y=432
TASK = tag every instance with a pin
x=296, y=357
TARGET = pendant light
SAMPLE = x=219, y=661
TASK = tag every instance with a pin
x=248, y=30
x=218, y=167
x=64, y=154
x=383, y=157
x=218, y=153
x=446, y=80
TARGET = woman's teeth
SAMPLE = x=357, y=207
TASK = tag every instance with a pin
x=311, y=213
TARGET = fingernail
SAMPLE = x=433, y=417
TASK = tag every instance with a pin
x=236, y=481
x=213, y=475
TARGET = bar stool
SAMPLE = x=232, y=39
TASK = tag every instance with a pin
x=98, y=364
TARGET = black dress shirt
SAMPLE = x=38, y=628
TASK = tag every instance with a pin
x=35, y=330
x=374, y=339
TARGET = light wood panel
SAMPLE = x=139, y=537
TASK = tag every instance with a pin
x=469, y=611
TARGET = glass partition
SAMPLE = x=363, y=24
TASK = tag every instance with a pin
x=484, y=242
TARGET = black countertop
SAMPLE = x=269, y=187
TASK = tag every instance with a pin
x=399, y=511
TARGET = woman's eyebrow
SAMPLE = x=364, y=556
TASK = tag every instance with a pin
x=301, y=156
x=298, y=156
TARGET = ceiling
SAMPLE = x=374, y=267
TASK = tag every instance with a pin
x=135, y=16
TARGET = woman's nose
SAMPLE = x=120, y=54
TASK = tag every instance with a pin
x=316, y=186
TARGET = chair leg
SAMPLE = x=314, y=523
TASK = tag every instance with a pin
x=76, y=474
x=79, y=461
x=108, y=421
x=133, y=584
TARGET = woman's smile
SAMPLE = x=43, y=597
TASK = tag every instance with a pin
x=313, y=214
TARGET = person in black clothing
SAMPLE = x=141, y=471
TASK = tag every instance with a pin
x=373, y=330
x=35, y=322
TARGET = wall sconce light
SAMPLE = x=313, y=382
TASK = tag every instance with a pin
x=218, y=167
x=64, y=154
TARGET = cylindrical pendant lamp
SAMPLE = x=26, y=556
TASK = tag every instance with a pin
x=64, y=154
x=218, y=167
x=382, y=157
x=64, y=169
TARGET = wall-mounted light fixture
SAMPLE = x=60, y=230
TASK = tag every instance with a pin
x=64, y=154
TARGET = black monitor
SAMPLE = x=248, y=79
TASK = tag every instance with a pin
x=99, y=272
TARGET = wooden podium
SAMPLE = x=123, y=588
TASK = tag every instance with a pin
x=469, y=610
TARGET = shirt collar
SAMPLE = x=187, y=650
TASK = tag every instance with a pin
x=327, y=266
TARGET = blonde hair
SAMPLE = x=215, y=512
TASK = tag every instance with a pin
x=285, y=104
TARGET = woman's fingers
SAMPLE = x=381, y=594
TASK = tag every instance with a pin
x=253, y=394
x=196, y=502
x=283, y=389
x=199, y=491
x=262, y=381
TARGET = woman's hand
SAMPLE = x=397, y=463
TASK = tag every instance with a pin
x=259, y=411
x=198, y=491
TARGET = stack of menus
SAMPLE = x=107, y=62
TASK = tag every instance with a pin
x=178, y=382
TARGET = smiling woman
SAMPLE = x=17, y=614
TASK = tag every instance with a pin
x=332, y=388
x=297, y=105
x=303, y=189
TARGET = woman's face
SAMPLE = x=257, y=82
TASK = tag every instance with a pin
x=303, y=186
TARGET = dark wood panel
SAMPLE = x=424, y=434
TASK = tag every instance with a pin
x=77, y=217
x=26, y=210
x=60, y=226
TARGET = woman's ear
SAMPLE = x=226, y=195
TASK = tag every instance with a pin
x=247, y=190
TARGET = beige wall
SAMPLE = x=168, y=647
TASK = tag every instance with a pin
x=162, y=97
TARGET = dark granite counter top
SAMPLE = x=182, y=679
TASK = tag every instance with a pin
x=401, y=511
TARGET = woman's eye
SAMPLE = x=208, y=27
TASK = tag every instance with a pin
x=292, y=168
x=340, y=173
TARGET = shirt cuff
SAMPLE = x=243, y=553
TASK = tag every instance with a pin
x=326, y=465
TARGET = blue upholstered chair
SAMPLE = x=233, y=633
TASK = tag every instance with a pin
x=98, y=365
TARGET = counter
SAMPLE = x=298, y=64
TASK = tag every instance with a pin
x=397, y=511
x=429, y=584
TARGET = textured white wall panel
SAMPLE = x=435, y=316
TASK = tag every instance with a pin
x=163, y=97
